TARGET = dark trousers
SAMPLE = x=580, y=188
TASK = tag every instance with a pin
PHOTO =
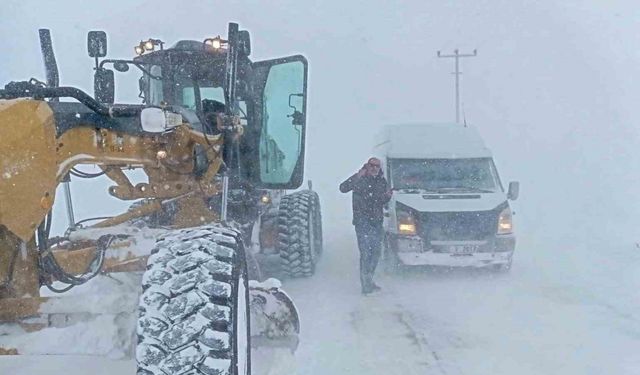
x=370, y=246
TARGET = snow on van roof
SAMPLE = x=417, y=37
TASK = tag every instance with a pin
x=431, y=140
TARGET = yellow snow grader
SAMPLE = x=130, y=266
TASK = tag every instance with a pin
x=214, y=132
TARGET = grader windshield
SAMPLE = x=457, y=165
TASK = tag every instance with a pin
x=185, y=87
x=183, y=78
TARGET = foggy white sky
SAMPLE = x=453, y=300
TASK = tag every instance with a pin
x=552, y=89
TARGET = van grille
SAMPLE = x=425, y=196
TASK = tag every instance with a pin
x=458, y=226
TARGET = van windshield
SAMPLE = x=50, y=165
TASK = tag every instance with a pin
x=445, y=174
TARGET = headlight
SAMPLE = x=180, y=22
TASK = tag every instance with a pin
x=406, y=223
x=149, y=45
x=505, y=222
x=216, y=43
x=265, y=199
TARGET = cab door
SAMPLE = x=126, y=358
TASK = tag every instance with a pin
x=281, y=87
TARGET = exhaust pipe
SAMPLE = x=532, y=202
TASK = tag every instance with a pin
x=49, y=59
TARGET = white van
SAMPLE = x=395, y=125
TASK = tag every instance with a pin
x=449, y=207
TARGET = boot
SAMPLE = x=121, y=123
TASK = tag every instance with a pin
x=367, y=287
x=375, y=287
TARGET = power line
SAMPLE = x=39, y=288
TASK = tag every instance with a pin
x=457, y=55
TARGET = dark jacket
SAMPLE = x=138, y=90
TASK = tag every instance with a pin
x=368, y=198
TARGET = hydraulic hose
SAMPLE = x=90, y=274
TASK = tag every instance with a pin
x=49, y=268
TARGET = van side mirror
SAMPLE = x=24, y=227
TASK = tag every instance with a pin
x=514, y=190
x=97, y=43
x=104, y=86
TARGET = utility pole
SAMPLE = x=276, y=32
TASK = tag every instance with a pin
x=457, y=56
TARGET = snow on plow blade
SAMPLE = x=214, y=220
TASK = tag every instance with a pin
x=274, y=318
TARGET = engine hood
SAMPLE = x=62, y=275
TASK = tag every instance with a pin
x=460, y=202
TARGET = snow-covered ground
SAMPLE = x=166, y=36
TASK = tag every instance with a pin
x=561, y=310
x=543, y=318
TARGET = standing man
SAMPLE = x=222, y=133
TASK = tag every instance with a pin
x=370, y=194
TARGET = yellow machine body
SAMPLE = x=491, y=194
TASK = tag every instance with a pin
x=28, y=165
x=34, y=161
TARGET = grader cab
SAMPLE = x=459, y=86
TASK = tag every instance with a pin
x=215, y=131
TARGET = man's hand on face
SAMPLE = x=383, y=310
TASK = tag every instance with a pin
x=362, y=171
x=370, y=168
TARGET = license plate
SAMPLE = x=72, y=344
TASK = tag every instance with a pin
x=463, y=249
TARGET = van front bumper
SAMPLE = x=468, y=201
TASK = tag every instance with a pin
x=411, y=250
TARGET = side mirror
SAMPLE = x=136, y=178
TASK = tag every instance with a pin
x=297, y=117
x=142, y=86
x=97, y=44
x=244, y=41
x=104, y=86
x=514, y=190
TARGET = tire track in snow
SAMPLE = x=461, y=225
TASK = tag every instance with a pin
x=398, y=342
x=420, y=340
x=344, y=332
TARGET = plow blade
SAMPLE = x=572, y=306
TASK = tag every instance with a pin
x=274, y=317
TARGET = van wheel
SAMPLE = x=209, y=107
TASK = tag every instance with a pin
x=502, y=268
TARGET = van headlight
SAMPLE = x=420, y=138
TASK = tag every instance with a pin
x=505, y=222
x=406, y=223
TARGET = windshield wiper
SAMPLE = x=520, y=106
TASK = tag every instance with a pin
x=467, y=188
x=416, y=190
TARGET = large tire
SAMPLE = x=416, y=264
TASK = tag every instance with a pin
x=268, y=235
x=317, y=225
x=299, y=233
x=194, y=309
